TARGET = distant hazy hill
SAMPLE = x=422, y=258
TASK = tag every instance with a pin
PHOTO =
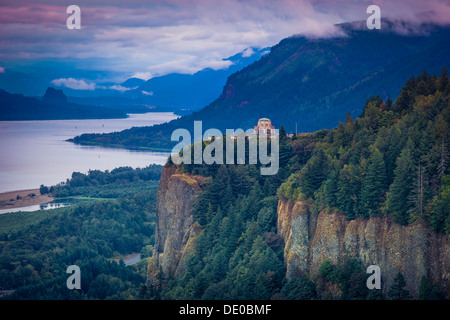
x=186, y=91
x=311, y=82
x=178, y=92
x=53, y=106
x=19, y=82
x=54, y=96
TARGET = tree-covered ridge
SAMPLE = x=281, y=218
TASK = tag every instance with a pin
x=392, y=160
x=238, y=252
x=395, y=151
x=105, y=184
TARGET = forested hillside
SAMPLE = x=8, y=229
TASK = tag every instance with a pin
x=117, y=218
x=392, y=161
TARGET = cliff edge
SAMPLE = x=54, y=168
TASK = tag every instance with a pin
x=310, y=239
x=175, y=226
x=414, y=250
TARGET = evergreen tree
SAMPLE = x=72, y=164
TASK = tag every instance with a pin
x=267, y=219
x=349, y=122
x=348, y=191
x=400, y=189
x=440, y=218
x=405, y=99
x=270, y=185
x=423, y=84
x=283, y=135
x=394, y=147
x=424, y=289
x=372, y=115
x=215, y=224
x=374, y=184
x=227, y=197
x=417, y=195
x=240, y=180
x=331, y=189
x=388, y=102
x=443, y=161
x=314, y=173
x=202, y=206
x=443, y=82
x=299, y=289
x=285, y=153
x=142, y=293
x=398, y=290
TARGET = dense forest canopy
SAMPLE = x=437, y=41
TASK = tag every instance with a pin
x=92, y=235
x=393, y=160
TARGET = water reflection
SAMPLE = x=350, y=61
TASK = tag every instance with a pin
x=58, y=203
x=35, y=152
x=37, y=207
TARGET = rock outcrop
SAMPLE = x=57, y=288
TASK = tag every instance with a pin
x=54, y=96
x=414, y=250
x=175, y=226
x=309, y=238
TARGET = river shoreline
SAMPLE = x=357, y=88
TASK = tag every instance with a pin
x=23, y=198
x=37, y=152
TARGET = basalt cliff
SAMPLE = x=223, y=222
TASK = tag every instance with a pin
x=309, y=239
x=175, y=228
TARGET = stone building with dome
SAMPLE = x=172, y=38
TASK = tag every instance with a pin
x=264, y=126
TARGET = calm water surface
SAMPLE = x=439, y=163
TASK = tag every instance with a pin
x=35, y=152
x=45, y=206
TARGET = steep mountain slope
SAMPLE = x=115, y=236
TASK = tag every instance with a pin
x=183, y=93
x=309, y=82
x=192, y=91
x=314, y=82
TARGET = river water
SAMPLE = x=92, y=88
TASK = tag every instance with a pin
x=35, y=152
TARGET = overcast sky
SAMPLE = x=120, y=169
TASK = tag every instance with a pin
x=120, y=39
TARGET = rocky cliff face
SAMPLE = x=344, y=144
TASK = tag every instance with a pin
x=414, y=250
x=309, y=238
x=175, y=228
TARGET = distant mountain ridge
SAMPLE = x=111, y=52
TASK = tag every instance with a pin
x=310, y=83
x=53, y=106
x=182, y=93
x=179, y=92
x=192, y=91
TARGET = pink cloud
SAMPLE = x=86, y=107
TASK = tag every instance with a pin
x=161, y=36
x=37, y=14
